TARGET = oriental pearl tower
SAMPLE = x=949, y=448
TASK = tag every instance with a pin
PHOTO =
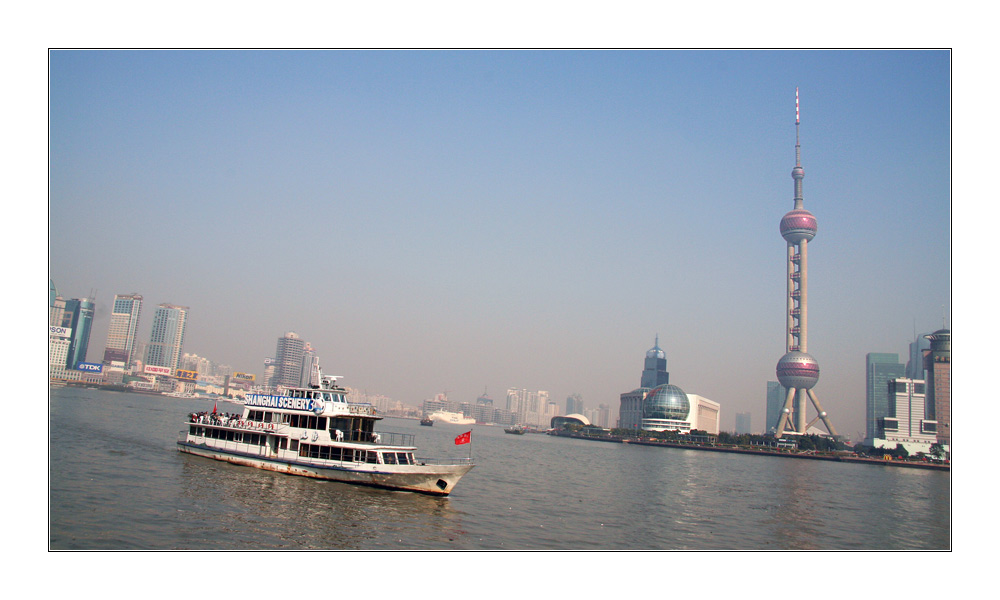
x=797, y=370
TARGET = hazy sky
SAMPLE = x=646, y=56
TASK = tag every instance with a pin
x=470, y=221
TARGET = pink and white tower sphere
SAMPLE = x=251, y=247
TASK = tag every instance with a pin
x=797, y=370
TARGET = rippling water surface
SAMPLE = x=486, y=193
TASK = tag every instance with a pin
x=117, y=482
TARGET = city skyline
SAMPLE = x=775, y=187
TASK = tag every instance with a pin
x=510, y=219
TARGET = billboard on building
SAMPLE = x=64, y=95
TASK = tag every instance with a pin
x=187, y=375
x=90, y=367
x=62, y=332
x=154, y=370
x=244, y=376
x=113, y=355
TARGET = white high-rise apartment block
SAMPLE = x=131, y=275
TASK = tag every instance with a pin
x=288, y=360
x=166, y=341
x=906, y=422
x=531, y=408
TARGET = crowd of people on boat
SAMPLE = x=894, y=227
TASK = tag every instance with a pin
x=212, y=417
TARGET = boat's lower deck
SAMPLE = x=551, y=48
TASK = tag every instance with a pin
x=411, y=475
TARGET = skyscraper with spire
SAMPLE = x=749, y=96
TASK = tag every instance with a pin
x=654, y=372
x=797, y=370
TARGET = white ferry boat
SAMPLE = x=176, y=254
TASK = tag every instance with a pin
x=315, y=432
x=455, y=418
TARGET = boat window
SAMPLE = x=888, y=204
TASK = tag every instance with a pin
x=389, y=458
x=294, y=445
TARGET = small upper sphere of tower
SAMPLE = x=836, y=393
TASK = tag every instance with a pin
x=798, y=225
x=798, y=172
x=798, y=370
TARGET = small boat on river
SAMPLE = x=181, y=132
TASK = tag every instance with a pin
x=315, y=432
x=515, y=429
x=427, y=422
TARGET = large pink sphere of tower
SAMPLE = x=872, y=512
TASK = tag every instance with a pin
x=798, y=370
x=798, y=225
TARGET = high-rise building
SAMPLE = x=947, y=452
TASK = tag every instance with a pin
x=79, y=317
x=743, y=423
x=483, y=410
x=71, y=320
x=310, y=366
x=775, y=402
x=121, y=346
x=574, y=404
x=654, y=372
x=797, y=370
x=288, y=360
x=906, y=422
x=915, y=365
x=530, y=408
x=58, y=335
x=602, y=417
x=937, y=363
x=880, y=368
x=166, y=341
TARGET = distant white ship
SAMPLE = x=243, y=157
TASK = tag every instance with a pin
x=454, y=418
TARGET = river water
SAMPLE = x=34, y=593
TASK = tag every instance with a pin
x=117, y=482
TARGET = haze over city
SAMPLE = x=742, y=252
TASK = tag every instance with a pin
x=474, y=221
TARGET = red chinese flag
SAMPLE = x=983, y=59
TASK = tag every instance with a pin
x=465, y=438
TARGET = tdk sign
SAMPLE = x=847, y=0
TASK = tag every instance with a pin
x=92, y=367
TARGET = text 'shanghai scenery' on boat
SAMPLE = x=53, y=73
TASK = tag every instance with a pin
x=314, y=432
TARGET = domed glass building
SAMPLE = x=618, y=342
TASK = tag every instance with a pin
x=666, y=408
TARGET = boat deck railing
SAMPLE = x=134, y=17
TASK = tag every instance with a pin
x=391, y=438
x=254, y=426
x=443, y=461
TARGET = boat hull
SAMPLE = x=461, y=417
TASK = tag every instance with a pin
x=436, y=480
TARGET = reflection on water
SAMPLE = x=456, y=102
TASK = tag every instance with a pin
x=117, y=481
